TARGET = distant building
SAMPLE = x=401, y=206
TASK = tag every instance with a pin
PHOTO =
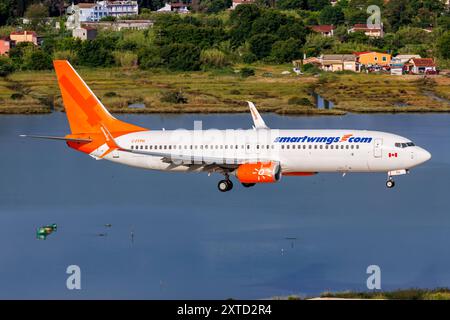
x=324, y=30
x=373, y=32
x=24, y=36
x=339, y=62
x=372, y=58
x=121, y=25
x=101, y=9
x=84, y=33
x=238, y=2
x=404, y=58
x=178, y=7
x=421, y=66
x=5, y=45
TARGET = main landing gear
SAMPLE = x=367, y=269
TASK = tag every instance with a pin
x=225, y=185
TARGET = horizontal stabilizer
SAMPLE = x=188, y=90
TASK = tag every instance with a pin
x=55, y=138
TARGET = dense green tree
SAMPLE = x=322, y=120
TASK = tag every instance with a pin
x=181, y=56
x=6, y=66
x=292, y=4
x=332, y=15
x=286, y=50
x=150, y=57
x=241, y=21
x=269, y=22
x=398, y=13
x=261, y=44
x=200, y=36
x=151, y=4
x=93, y=53
x=214, y=6
x=317, y=44
x=444, y=45
x=317, y=5
x=6, y=8
x=37, y=59
x=36, y=13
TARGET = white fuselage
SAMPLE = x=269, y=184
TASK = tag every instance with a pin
x=297, y=151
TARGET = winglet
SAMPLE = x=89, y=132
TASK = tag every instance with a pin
x=257, y=120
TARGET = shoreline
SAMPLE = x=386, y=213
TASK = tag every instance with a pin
x=210, y=92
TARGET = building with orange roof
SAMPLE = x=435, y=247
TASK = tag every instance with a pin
x=24, y=36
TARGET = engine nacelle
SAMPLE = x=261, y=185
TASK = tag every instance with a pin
x=260, y=172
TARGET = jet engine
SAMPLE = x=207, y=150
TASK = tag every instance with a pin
x=260, y=172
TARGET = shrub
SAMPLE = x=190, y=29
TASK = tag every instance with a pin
x=286, y=51
x=173, y=97
x=181, y=56
x=299, y=101
x=249, y=57
x=214, y=58
x=110, y=94
x=37, y=60
x=6, y=66
x=66, y=55
x=310, y=68
x=17, y=96
x=125, y=59
x=247, y=72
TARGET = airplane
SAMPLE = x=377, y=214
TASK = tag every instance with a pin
x=254, y=156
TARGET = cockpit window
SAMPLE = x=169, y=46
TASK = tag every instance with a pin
x=404, y=145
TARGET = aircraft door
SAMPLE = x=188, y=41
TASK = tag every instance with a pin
x=377, y=149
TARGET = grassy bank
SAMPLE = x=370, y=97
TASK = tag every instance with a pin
x=402, y=294
x=225, y=91
x=406, y=294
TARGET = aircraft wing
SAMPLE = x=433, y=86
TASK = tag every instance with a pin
x=183, y=159
x=55, y=138
x=257, y=119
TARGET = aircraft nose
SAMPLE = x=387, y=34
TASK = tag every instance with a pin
x=423, y=155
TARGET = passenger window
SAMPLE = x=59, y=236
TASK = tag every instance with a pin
x=282, y=146
x=346, y=147
x=310, y=146
x=352, y=146
x=315, y=147
x=357, y=146
x=287, y=147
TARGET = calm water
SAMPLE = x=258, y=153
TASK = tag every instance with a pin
x=191, y=241
x=322, y=103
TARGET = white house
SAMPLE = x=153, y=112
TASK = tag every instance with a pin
x=98, y=10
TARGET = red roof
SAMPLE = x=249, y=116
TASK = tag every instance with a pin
x=178, y=5
x=86, y=5
x=23, y=32
x=424, y=62
x=364, y=27
x=323, y=28
x=361, y=53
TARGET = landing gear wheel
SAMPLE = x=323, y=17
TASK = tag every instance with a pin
x=248, y=185
x=225, y=185
x=390, y=184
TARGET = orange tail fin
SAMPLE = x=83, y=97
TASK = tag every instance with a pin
x=85, y=112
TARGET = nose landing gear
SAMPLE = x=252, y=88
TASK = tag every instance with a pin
x=390, y=183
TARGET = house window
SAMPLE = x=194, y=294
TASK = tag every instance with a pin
x=384, y=59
